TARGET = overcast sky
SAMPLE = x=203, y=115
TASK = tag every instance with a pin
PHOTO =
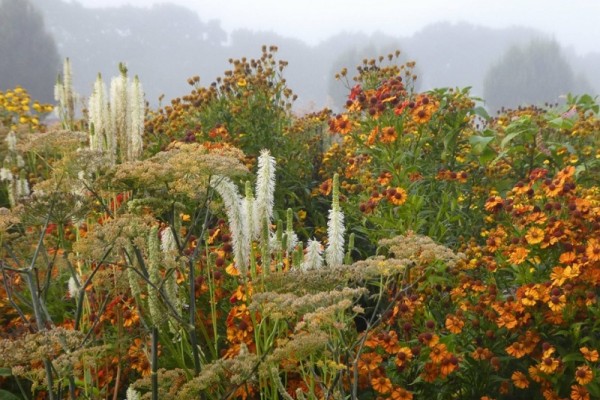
x=574, y=23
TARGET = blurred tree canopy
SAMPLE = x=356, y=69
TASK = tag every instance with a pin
x=28, y=53
x=531, y=74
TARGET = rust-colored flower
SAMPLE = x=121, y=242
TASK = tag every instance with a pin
x=403, y=356
x=579, y=393
x=584, y=375
x=438, y=352
x=520, y=380
x=421, y=114
x=381, y=384
x=448, y=364
x=388, y=135
x=369, y=362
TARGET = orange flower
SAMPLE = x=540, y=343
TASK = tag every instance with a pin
x=389, y=342
x=384, y=178
x=494, y=204
x=519, y=255
x=421, y=114
x=520, y=380
x=437, y=353
x=454, y=324
x=325, y=188
x=381, y=384
x=592, y=251
x=373, y=136
x=579, y=393
x=388, y=135
x=403, y=356
x=369, y=362
x=517, y=350
x=584, y=375
x=534, y=374
x=401, y=394
x=534, y=235
x=448, y=364
x=590, y=355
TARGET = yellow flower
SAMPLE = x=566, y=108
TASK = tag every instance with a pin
x=242, y=82
x=534, y=235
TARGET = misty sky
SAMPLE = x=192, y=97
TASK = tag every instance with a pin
x=574, y=23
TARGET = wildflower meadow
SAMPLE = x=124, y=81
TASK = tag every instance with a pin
x=221, y=246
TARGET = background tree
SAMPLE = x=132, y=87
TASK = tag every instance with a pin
x=531, y=74
x=28, y=54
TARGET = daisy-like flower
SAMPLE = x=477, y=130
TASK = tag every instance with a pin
x=403, y=356
x=520, y=380
x=534, y=235
x=592, y=251
x=381, y=384
x=397, y=196
x=438, y=352
x=584, y=375
x=388, y=135
x=454, y=324
x=579, y=393
x=518, y=255
x=517, y=350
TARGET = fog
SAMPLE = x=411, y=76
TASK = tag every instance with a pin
x=454, y=43
x=573, y=23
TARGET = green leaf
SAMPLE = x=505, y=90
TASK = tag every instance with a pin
x=4, y=395
x=572, y=357
x=480, y=143
x=5, y=372
x=481, y=112
x=509, y=138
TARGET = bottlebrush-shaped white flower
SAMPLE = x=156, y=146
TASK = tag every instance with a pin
x=136, y=125
x=313, y=258
x=265, y=192
x=233, y=207
x=74, y=287
x=334, y=254
x=119, y=115
x=154, y=261
x=99, y=117
x=169, y=250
